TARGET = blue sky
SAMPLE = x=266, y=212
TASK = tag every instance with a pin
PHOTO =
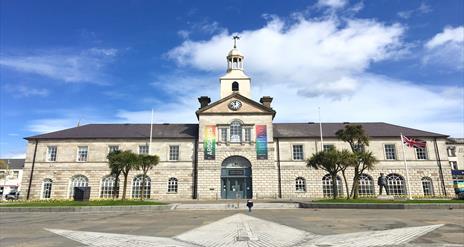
x=112, y=61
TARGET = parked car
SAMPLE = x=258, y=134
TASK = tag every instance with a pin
x=13, y=195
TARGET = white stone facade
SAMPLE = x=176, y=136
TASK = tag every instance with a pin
x=265, y=172
x=10, y=179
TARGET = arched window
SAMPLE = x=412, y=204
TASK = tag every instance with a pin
x=137, y=187
x=327, y=186
x=234, y=86
x=234, y=63
x=300, y=184
x=366, y=185
x=107, y=187
x=395, y=184
x=235, y=131
x=47, y=188
x=427, y=186
x=172, y=185
x=77, y=181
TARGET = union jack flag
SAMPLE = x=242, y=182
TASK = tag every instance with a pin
x=413, y=143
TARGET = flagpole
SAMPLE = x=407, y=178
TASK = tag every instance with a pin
x=151, y=132
x=406, y=167
x=320, y=128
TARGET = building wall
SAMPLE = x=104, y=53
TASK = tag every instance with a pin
x=291, y=169
x=264, y=177
x=265, y=172
x=459, y=154
x=65, y=167
x=10, y=181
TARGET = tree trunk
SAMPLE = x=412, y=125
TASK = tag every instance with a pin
x=334, y=186
x=124, y=186
x=142, y=190
x=346, y=185
x=354, y=188
x=115, y=186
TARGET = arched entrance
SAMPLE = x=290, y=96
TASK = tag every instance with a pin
x=236, y=178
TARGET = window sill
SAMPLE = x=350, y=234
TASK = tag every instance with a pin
x=300, y=191
x=171, y=193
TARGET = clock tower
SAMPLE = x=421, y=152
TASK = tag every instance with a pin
x=235, y=80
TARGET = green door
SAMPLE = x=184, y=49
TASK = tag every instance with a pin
x=235, y=188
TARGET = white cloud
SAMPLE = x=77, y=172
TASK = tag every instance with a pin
x=13, y=155
x=449, y=35
x=446, y=48
x=314, y=62
x=22, y=90
x=335, y=4
x=320, y=54
x=84, y=66
x=204, y=26
x=174, y=114
x=51, y=124
x=422, y=9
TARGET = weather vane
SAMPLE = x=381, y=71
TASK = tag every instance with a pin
x=236, y=37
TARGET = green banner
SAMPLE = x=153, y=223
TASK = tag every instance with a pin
x=261, y=142
x=209, y=142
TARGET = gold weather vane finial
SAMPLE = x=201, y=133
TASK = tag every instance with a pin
x=236, y=37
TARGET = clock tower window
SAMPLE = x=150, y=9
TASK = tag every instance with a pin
x=235, y=86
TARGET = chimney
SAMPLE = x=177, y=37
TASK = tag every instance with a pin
x=266, y=101
x=204, y=101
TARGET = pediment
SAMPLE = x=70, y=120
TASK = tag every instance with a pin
x=248, y=106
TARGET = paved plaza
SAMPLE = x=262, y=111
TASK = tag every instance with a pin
x=267, y=227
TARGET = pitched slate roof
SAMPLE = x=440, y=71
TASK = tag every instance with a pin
x=123, y=131
x=14, y=164
x=190, y=131
x=379, y=129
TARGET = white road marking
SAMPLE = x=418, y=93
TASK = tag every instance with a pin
x=244, y=230
x=117, y=240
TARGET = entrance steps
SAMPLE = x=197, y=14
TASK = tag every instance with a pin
x=233, y=206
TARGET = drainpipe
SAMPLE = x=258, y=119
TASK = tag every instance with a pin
x=279, y=179
x=32, y=170
x=195, y=170
x=437, y=155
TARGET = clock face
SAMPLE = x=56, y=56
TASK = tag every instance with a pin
x=235, y=105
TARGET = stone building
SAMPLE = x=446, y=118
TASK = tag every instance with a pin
x=455, y=149
x=235, y=150
x=11, y=176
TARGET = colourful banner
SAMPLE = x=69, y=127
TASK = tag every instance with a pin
x=458, y=186
x=209, y=142
x=261, y=142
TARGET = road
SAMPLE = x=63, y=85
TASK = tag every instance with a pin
x=284, y=227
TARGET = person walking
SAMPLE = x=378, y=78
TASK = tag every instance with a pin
x=249, y=205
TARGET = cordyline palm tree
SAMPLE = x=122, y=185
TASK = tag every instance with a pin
x=115, y=166
x=145, y=162
x=128, y=161
x=332, y=161
x=348, y=160
x=357, y=138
